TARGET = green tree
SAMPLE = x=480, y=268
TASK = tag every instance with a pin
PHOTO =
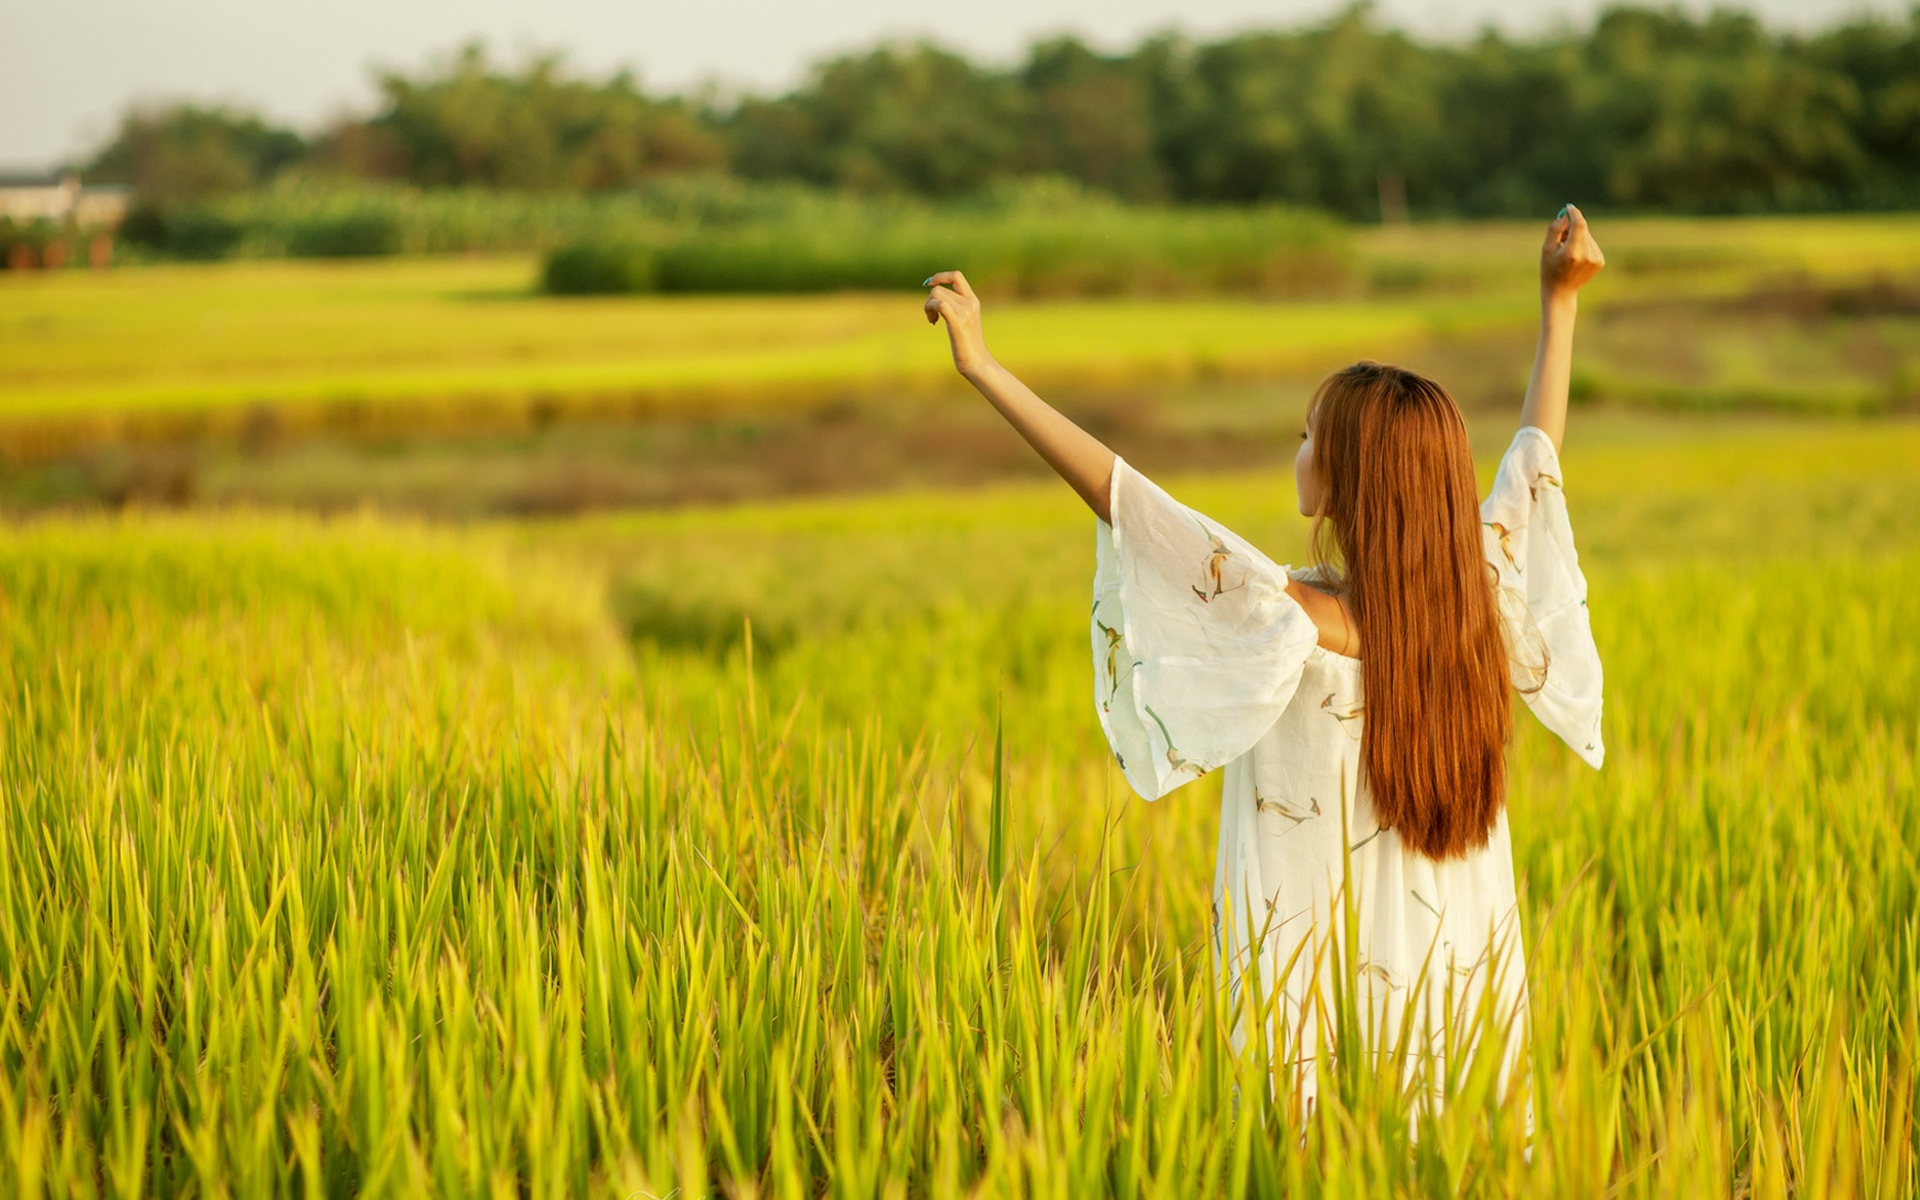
x=184, y=152
x=1089, y=118
x=1646, y=109
x=468, y=123
x=1882, y=60
x=1714, y=115
x=1316, y=117
x=906, y=117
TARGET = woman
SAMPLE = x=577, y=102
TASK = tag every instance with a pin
x=1385, y=837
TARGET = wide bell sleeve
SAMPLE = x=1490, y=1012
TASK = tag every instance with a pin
x=1196, y=645
x=1542, y=594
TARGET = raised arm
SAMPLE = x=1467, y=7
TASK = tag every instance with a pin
x=1569, y=258
x=1080, y=458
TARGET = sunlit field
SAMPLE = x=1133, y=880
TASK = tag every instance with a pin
x=615, y=855
x=448, y=343
x=458, y=332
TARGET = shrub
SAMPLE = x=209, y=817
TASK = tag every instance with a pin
x=351, y=235
x=196, y=232
x=1105, y=249
x=593, y=268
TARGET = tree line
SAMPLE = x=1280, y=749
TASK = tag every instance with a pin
x=1643, y=109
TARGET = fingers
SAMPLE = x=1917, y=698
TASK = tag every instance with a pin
x=939, y=303
x=1580, y=238
x=1568, y=218
x=1570, y=257
x=1567, y=233
x=1578, y=221
x=952, y=279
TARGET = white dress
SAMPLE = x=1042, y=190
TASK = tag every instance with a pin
x=1202, y=660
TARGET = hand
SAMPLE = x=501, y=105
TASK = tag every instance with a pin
x=1570, y=256
x=953, y=299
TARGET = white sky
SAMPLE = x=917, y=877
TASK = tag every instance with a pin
x=69, y=67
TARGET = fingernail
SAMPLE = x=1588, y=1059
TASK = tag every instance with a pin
x=927, y=282
x=1563, y=210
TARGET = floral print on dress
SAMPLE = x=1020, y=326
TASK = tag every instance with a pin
x=1381, y=975
x=1347, y=712
x=1284, y=810
x=1213, y=582
x=1173, y=752
x=1116, y=643
x=1504, y=537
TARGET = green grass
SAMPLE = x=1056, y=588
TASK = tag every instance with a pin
x=364, y=857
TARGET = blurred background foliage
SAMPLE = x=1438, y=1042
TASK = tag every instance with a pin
x=1179, y=239
x=1643, y=110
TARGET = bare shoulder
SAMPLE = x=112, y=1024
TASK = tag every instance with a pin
x=1338, y=631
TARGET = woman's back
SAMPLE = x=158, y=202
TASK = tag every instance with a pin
x=1204, y=658
x=1298, y=830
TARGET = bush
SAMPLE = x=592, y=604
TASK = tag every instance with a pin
x=204, y=235
x=701, y=234
x=352, y=235
x=198, y=233
x=590, y=268
x=306, y=219
x=1093, y=249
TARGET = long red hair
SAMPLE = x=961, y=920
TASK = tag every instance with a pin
x=1403, y=509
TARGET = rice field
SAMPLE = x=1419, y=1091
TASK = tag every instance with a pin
x=455, y=343
x=461, y=335
x=773, y=851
